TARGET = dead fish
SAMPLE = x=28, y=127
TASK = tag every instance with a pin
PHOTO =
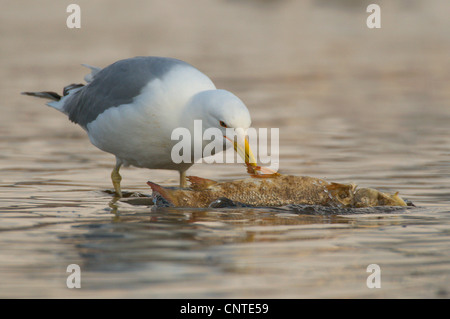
x=275, y=190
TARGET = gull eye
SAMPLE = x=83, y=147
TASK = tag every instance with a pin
x=222, y=123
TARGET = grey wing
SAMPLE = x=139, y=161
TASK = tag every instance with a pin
x=115, y=85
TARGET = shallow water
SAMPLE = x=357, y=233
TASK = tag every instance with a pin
x=352, y=104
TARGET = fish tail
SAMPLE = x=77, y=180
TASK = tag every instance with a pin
x=164, y=192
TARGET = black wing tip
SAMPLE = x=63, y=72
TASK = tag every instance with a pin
x=53, y=95
x=70, y=87
x=45, y=95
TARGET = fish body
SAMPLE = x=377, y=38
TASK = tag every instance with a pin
x=277, y=190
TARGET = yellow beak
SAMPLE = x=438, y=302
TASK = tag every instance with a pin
x=244, y=151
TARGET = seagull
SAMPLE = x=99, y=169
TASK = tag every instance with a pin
x=131, y=107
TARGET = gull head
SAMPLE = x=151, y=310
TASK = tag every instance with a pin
x=223, y=110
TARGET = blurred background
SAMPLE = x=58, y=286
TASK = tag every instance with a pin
x=353, y=104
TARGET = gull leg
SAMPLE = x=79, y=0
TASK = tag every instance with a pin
x=183, y=179
x=116, y=178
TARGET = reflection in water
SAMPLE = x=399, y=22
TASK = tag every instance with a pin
x=352, y=104
x=171, y=249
